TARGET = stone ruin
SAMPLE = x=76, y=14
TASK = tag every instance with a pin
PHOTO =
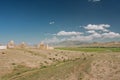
x=22, y=45
x=11, y=44
x=44, y=47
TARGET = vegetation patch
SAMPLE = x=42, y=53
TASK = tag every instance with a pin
x=90, y=49
x=60, y=70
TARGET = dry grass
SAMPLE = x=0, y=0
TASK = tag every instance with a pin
x=34, y=64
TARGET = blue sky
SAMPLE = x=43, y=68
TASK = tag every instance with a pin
x=33, y=21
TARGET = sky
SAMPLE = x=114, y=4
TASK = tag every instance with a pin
x=51, y=21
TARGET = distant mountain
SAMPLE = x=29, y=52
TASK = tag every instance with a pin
x=85, y=44
x=68, y=43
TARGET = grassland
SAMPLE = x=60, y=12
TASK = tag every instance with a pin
x=91, y=49
x=61, y=70
x=60, y=64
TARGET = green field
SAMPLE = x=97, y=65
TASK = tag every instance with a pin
x=90, y=49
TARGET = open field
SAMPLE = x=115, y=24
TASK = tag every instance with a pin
x=63, y=64
x=91, y=49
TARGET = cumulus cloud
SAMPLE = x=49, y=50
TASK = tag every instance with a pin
x=110, y=35
x=95, y=35
x=64, y=33
x=52, y=40
x=92, y=32
x=101, y=27
x=80, y=38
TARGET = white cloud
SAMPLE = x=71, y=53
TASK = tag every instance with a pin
x=108, y=35
x=52, y=40
x=80, y=38
x=52, y=22
x=101, y=27
x=95, y=35
x=94, y=0
x=92, y=31
x=111, y=35
x=64, y=33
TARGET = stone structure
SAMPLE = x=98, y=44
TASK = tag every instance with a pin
x=11, y=44
x=41, y=45
x=23, y=45
x=44, y=47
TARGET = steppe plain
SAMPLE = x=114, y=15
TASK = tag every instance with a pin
x=60, y=64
